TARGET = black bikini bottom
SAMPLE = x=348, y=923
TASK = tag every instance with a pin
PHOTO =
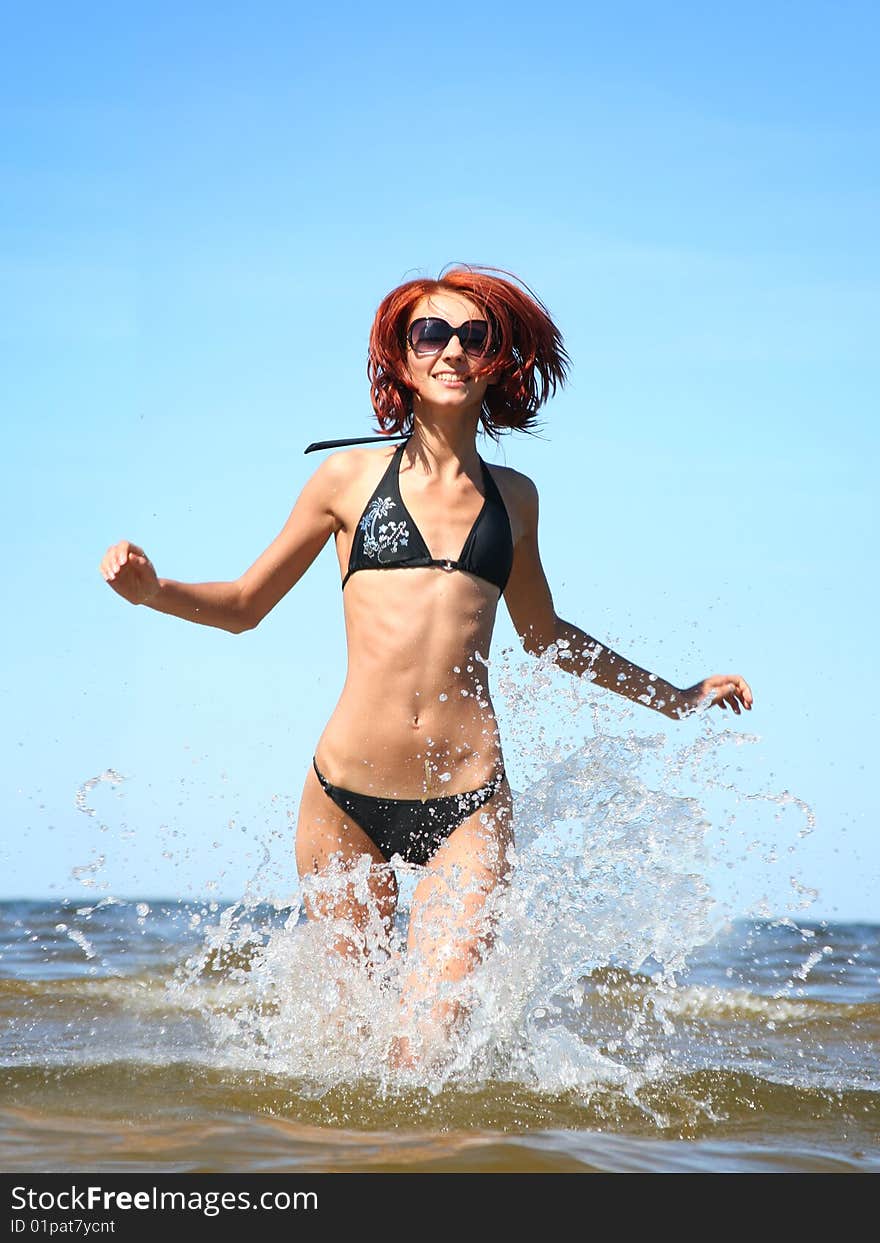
x=409, y=827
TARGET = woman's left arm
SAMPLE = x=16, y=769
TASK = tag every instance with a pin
x=530, y=605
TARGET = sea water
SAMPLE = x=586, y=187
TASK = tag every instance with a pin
x=631, y=1014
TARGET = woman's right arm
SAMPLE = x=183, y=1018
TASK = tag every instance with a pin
x=240, y=605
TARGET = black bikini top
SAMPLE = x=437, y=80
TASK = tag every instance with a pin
x=386, y=538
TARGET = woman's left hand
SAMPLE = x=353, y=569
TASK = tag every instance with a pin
x=721, y=690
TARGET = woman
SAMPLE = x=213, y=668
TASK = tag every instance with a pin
x=410, y=765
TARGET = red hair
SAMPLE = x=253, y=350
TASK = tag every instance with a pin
x=529, y=363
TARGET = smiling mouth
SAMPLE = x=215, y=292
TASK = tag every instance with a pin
x=450, y=378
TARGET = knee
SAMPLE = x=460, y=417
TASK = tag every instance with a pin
x=458, y=961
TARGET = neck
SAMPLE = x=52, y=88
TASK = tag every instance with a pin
x=443, y=438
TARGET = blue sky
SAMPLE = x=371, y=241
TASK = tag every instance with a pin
x=200, y=211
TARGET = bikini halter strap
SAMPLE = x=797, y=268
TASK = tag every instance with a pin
x=357, y=440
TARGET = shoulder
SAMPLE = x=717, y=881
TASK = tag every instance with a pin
x=345, y=479
x=518, y=490
x=346, y=467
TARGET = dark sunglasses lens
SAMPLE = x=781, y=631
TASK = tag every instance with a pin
x=474, y=336
x=427, y=336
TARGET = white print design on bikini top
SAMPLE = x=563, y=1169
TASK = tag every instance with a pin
x=389, y=536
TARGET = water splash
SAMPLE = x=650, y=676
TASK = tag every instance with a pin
x=88, y=874
x=609, y=896
x=78, y=939
x=621, y=827
x=109, y=775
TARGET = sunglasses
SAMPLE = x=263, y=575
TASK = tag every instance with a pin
x=430, y=336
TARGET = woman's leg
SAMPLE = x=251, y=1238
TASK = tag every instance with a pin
x=452, y=919
x=336, y=882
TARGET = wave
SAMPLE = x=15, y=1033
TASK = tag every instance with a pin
x=157, y=991
x=706, y=1102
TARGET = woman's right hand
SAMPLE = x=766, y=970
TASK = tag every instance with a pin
x=130, y=573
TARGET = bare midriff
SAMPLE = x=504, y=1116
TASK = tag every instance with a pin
x=414, y=718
